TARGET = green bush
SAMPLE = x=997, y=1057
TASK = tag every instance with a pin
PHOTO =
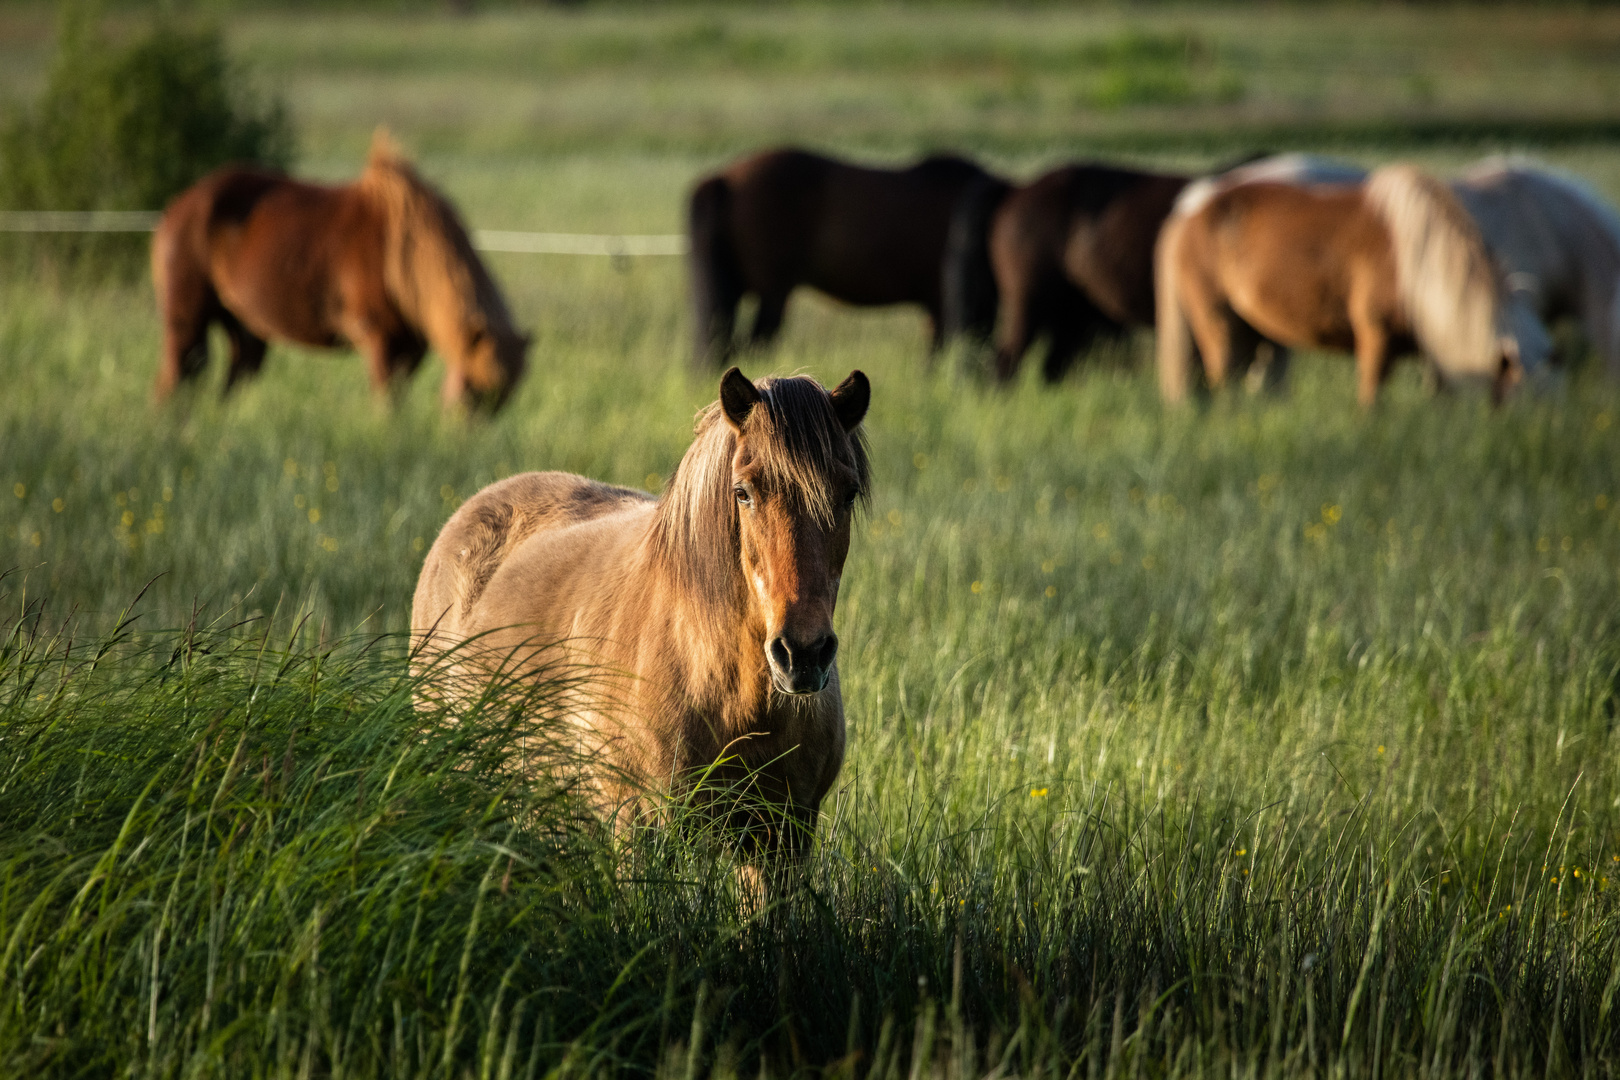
x=127, y=127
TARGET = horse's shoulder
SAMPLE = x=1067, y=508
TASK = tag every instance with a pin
x=235, y=192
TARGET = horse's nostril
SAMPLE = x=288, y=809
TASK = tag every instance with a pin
x=781, y=654
x=826, y=650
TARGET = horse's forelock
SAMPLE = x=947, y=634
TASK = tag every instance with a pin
x=796, y=439
x=802, y=448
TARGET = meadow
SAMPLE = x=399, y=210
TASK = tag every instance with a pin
x=1268, y=737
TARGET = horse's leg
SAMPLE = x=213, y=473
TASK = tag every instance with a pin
x=936, y=334
x=1372, y=361
x=453, y=391
x=405, y=354
x=1243, y=345
x=768, y=319
x=716, y=332
x=1019, y=323
x=1211, y=330
x=247, y=351
x=1073, y=332
x=372, y=341
x=188, y=310
x=1268, y=372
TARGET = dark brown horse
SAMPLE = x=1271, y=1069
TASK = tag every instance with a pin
x=384, y=264
x=715, y=600
x=1073, y=258
x=772, y=222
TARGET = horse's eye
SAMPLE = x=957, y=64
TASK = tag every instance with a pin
x=742, y=495
x=853, y=497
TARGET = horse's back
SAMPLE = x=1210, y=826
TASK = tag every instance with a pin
x=297, y=261
x=182, y=241
x=489, y=528
x=864, y=235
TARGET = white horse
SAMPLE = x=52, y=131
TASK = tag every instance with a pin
x=1557, y=241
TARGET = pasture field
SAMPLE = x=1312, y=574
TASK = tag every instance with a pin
x=1263, y=738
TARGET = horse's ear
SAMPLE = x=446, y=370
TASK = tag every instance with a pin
x=738, y=396
x=850, y=399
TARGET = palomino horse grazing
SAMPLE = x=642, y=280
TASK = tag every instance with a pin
x=1377, y=269
x=784, y=218
x=1558, y=241
x=716, y=600
x=1073, y=258
x=384, y=264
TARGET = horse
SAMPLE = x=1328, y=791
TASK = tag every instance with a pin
x=1558, y=241
x=1379, y=268
x=1072, y=253
x=784, y=218
x=384, y=264
x=1072, y=259
x=716, y=600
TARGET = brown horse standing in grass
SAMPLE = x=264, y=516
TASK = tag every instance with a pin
x=1073, y=259
x=1380, y=268
x=772, y=222
x=384, y=264
x=715, y=600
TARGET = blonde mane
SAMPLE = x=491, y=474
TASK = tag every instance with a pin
x=803, y=451
x=430, y=267
x=1444, y=273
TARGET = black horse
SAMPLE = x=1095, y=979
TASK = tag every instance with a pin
x=785, y=218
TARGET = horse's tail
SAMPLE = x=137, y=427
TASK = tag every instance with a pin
x=968, y=290
x=715, y=280
x=1174, y=337
x=163, y=252
x=1444, y=275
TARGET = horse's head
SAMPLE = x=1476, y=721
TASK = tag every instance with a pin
x=492, y=364
x=797, y=472
x=1526, y=345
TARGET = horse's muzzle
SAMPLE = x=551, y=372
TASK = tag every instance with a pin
x=802, y=668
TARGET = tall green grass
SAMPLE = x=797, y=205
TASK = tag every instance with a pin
x=225, y=853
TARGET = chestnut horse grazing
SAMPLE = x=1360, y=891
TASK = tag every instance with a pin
x=715, y=600
x=1073, y=259
x=384, y=264
x=1558, y=242
x=1378, y=268
x=784, y=218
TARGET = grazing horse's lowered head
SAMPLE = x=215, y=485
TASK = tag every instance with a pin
x=797, y=468
x=439, y=283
